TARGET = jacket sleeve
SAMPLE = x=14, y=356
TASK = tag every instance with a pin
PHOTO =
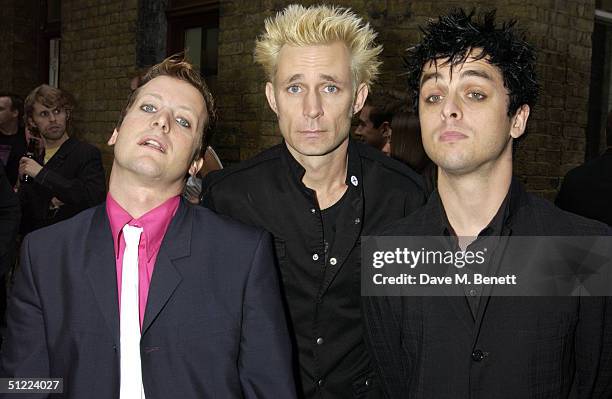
x=85, y=190
x=25, y=350
x=593, y=348
x=9, y=221
x=206, y=198
x=384, y=340
x=264, y=363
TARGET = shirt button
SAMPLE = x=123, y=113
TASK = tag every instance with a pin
x=367, y=382
x=320, y=341
x=478, y=355
x=333, y=261
x=313, y=210
x=473, y=292
x=357, y=221
x=320, y=383
x=315, y=257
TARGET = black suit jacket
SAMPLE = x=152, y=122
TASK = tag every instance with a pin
x=213, y=326
x=587, y=189
x=517, y=347
x=74, y=175
x=9, y=223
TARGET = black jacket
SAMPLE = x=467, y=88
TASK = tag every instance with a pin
x=587, y=189
x=516, y=347
x=74, y=175
x=9, y=223
x=322, y=289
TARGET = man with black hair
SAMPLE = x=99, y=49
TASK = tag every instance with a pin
x=374, y=126
x=474, y=85
x=12, y=136
x=587, y=189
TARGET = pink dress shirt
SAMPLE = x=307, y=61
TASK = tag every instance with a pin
x=154, y=224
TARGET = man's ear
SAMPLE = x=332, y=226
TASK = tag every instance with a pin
x=195, y=167
x=519, y=121
x=385, y=128
x=360, y=97
x=113, y=138
x=271, y=97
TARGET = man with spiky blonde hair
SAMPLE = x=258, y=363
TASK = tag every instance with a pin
x=317, y=192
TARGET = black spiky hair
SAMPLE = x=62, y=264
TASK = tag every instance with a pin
x=451, y=38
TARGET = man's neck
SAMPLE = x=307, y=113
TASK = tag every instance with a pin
x=472, y=200
x=325, y=174
x=138, y=196
x=10, y=128
x=53, y=144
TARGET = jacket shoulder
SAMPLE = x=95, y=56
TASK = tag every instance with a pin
x=555, y=221
x=227, y=177
x=385, y=165
x=64, y=230
x=228, y=227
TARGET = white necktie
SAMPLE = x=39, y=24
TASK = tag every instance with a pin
x=131, y=386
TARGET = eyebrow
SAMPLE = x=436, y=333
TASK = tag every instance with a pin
x=476, y=73
x=429, y=76
x=464, y=74
x=299, y=76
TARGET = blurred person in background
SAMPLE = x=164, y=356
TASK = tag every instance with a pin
x=406, y=146
x=71, y=177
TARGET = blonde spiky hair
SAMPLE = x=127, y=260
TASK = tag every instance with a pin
x=299, y=26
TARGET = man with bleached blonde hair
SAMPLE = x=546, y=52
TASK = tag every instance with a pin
x=317, y=192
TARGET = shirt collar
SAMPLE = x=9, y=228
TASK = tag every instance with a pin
x=495, y=226
x=297, y=171
x=154, y=223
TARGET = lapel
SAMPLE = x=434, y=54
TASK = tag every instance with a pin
x=60, y=156
x=516, y=208
x=350, y=220
x=166, y=277
x=101, y=270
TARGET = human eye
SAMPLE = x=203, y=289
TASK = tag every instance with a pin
x=330, y=89
x=433, y=99
x=294, y=89
x=476, y=96
x=148, y=108
x=183, y=122
x=44, y=113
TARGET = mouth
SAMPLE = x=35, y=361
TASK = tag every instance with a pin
x=153, y=144
x=311, y=133
x=451, y=136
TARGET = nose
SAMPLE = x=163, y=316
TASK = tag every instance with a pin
x=52, y=116
x=161, y=120
x=451, y=109
x=312, y=105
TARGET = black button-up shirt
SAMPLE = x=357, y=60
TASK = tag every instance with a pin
x=488, y=239
x=322, y=289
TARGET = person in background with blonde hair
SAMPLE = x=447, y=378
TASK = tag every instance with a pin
x=317, y=192
x=71, y=177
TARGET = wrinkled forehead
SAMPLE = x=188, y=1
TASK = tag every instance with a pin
x=471, y=64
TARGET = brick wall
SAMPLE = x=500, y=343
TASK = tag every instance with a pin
x=98, y=58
